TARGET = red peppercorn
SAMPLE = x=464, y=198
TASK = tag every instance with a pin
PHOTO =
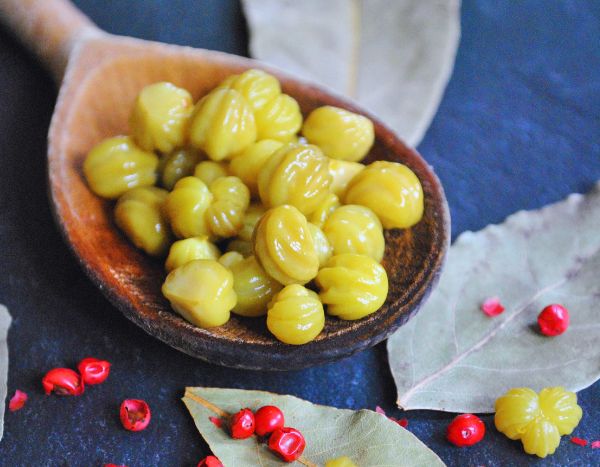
x=210, y=461
x=492, y=307
x=93, y=371
x=242, y=424
x=17, y=401
x=135, y=414
x=553, y=320
x=268, y=419
x=465, y=430
x=63, y=382
x=288, y=443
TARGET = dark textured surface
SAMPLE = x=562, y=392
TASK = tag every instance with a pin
x=519, y=127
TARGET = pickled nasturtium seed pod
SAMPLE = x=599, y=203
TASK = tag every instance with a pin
x=324, y=210
x=222, y=124
x=116, y=165
x=538, y=420
x=295, y=315
x=355, y=229
x=391, y=190
x=160, y=117
x=231, y=198
x=257, y=87
x=253, y=286
x=209, y=171
x=201, y=291
x=280, y=119
x=341, y=134
x=297, y=175
x=247, y=164
x=139, y=215
x=176, y=165
x=342, y=172
x=185, y=207
x=352, y=286
x=322, y=247
x=189, y=249
x=343, y=461
x=284, y=246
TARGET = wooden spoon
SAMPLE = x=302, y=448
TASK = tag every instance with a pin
x=101, y=74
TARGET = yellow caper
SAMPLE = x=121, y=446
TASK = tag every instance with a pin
x=329, y=204
x=253, y=214
x=185, y=207
x=225, y=215
x=160, y=117
x=209, y=171
x=342, y=172
x=222, y=124
x=322, y=247
x=295, y=315
x=253, y=286
x=391, y=190
x=284, y=246
x=279, y=119
x=247, y=164
x=116, y=165
x=341, y=134
x=343, y=461
x=230, y=258
x=138, y=213
x=176, y=165
x=297, y=175
x=355, y=229
x=352, y=286
x=257, y=87
x=189, y=249
x=201, y=291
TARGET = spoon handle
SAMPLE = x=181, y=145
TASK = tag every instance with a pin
x=50, y=28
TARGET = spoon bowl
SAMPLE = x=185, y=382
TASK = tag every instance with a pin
x=102, y=76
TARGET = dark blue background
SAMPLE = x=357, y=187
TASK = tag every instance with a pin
x=519, y=127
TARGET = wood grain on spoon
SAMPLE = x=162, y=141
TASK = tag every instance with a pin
x=101, y=75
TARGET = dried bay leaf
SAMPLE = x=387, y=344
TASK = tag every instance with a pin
x=394, y=57
x=453, y=357
x=4, y=325
x=368, y=438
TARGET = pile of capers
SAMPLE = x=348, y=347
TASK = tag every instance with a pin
x=251, y=217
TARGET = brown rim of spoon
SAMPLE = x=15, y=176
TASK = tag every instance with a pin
x=101, y=75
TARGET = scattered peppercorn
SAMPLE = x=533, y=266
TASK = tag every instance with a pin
x=210, y=461
x=553, y=320
x=242, y=424
x=93, y=371
x=268, y=419
x=135, y=414
x=465, y=430
x=17, y=401
x=216, y=421
x=63, y=382
x=579, y=441
x=288, y=443
x=492, y=307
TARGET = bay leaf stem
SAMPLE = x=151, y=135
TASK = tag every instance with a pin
x=209, y=405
